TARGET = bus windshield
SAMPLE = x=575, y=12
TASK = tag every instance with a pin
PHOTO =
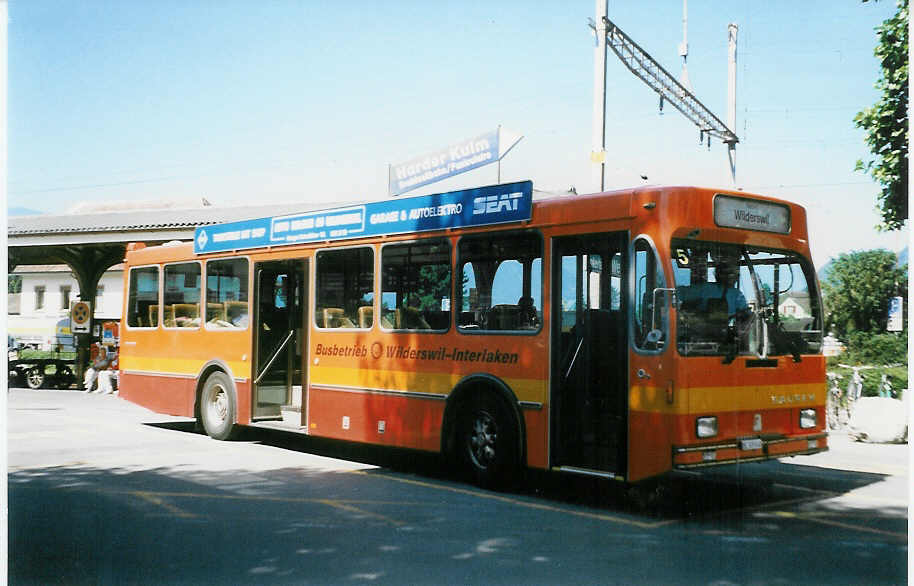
x=744, y=300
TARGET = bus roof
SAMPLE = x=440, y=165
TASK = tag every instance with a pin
x=496, y=204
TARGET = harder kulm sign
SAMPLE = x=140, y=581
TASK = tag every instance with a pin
x=457, y=158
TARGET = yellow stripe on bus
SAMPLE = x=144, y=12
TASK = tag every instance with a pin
x=177, y=366
x=533, y=390
x=723, y=399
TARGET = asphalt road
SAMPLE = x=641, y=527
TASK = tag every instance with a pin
x=105, y=492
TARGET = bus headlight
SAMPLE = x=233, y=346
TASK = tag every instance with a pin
x=706, y=426
x=807, y=418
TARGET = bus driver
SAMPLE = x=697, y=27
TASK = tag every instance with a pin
x=725, y=274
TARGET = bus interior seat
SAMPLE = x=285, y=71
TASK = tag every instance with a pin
x=503, y=317
x=366, y=316
x=410, y=318
x=236, y=312
x=186, y=315
x=335, y=317
x=153, y=315
x=168, y=319
x=438, y=320
x=467, y=319
x=215, y=311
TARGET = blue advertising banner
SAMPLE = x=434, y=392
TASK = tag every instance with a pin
x=495, y=204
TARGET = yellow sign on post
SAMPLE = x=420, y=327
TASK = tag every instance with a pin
x=80, y=317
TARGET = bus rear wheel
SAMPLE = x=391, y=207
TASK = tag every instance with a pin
x=217, y=407
x=488, y=442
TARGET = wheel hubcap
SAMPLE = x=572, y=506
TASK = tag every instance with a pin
x=481, y=440
x=218, y=405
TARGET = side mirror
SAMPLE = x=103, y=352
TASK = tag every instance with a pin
x=653, y=336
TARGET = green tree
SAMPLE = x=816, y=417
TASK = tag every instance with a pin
x=886, y=121
x=857, y=289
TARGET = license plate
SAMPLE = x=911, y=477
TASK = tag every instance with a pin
x=750, y=444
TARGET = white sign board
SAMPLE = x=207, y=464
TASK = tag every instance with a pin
x=454, y=159
x=896, y=317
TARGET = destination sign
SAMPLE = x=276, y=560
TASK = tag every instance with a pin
x=495, y=204
x=751, y=214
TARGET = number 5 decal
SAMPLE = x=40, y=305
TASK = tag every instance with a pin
x=682, y=257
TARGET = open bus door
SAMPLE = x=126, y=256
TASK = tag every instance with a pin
x=590, y=353
x=279, y=322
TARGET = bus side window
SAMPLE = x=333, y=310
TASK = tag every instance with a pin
x=345, y=284
x=416, y=286
x=181, y=303
x=143, y=298
x=501, y=282
x=650, y=326
x=227, y=294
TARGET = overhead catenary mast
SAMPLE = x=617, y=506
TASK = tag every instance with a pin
x=598, y=140
x=645, y=67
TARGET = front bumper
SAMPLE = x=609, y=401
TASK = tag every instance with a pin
x=748, y=449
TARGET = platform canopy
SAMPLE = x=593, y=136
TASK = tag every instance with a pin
x=91, y=243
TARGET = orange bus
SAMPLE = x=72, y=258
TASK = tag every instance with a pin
x=619, y=334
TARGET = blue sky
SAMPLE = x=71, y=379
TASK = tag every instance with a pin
x=243, y=102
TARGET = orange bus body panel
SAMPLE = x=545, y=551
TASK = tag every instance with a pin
x=391, y=387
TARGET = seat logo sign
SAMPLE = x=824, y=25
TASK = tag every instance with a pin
x=494, y=204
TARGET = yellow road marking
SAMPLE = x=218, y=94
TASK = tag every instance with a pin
x=154, y=499
x=345, y=507
x=816, y=519
x=342, y=504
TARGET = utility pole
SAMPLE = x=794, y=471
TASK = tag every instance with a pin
x=598, y=141
x=684, y=46
x=732, y=29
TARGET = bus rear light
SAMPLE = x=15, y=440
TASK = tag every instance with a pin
x=807, y=418
x=706, y=427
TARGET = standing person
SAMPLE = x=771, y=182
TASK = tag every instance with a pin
x=98, y=364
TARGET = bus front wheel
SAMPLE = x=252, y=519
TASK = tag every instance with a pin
x=488, y=442
x=217, y=406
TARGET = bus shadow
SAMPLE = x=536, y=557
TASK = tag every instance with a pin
x=709, y=493
x=726, y=491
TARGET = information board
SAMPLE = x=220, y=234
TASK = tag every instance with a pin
x=494, y=204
